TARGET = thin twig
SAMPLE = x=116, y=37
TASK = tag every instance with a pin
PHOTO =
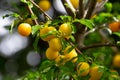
x=40, y=9
x=99, y=45
x=69, y=11
x=91, y=8
x=31, y=12
x=74, y=45
x=20, y=17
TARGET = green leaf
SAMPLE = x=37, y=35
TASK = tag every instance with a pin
x=33, y=16
x=12, y=15
x=15, y=15
x=12, y=25
x=24, y=1
x=30, y=4
x=35, y=44
x=49, y=33
x=7, y=15
x=103, y=18
x=45, y=66
x=35, y=29
x=70, y=49
x=27, y=2
x=64, y=43
x=105, y=15
x=101, y=69
x=96, y=54
x=72, y=38
x=86, y=22
x=70, y=68
x=118, y=42
x=66, y=18
x=108, y=6
x=73, y=28
x=117, y=33
x=81, y=58
x=55, y=22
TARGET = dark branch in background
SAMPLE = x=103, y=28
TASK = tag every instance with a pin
x=69, y=11
x=87, y=4
x=99, y=6
x=91, y=8
x=31, y=12
x=98, y=45
x=40, y=9
x=80, y=12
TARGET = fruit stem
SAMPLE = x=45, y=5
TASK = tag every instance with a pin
x=40, y=9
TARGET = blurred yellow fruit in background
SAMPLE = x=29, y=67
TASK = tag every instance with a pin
x=44, y=5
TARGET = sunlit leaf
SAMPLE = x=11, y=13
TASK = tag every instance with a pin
x=11, y=27
x=73, y=28
x=72, y=38
x=108, y=7
x=49, y=33
x=33, y=16
x=86, y=22
x=118, y=42
x=24, y=1
x=117, y=34
x=66, y=18
x=103, y=18
x=35, y=29
x=101, y=69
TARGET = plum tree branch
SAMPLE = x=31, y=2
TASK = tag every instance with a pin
x=91, y=8
x=31, y=12
x=84, y=13
x=40, y=9
x=80, y=12
x=87, y=4
x=99, y=6
x=98, y=45
x=69, y=11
